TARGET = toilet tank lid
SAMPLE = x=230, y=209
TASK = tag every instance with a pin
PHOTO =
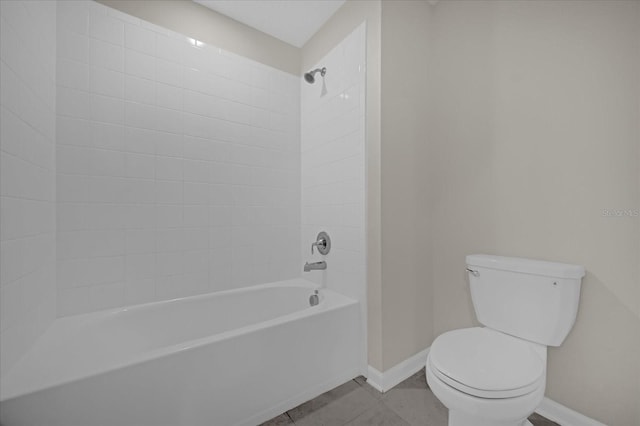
x=526, y=266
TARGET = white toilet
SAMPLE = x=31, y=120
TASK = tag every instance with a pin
x=496, y=375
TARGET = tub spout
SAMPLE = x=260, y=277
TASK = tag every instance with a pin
x=322, y=265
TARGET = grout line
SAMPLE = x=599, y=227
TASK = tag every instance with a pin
x=289, y=416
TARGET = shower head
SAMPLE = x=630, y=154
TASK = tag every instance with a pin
x=309, y=77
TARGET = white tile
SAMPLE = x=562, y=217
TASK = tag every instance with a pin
x=73, y=273
x=168, y=96
x=169, y=240
x=73, y=160
x=169, y=168
x=104, y=270
x=195, y=239
x=141, y=216
x=139, y=90
x=105, y=243
x=142, y=141
x=221, y=173
x=106, y=55
x=139, y=39
x=141, y=166
x=140, y=116
x=12, y=133
x=107, y=163
x=107, y=136
x=220, y=215
x=72, y=301
x=162, y=192
x=197, y=171
x=169, y=192
x=140, y=191
x=196, y=193
x=73, y=103
x=72, y=189
x=12, y=303
x=107, y=82
x=71, y=216
x=169, y=48
x=139, y=241
x=106, y=189
x=106, y=28
x=196, y=125
x=107, y=109
x=139, y=64
x=101, y=216
x=220, y=270
x=72, y=74
x=139, y=291
x=196, y=262
x=168, y=216
x=168, y=144
x=220, y=195
x=196, y=102
x=106, y=296
x=73, y=46
x=11, y=260
x=73, y=16
x=169, y=73
x=196, y=216
x=168, y=120
x=170, y=287
x=220, y=237
x=140, y=266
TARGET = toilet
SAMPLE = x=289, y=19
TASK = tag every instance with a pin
x=495, y=375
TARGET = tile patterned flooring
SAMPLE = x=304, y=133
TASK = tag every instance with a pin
x=355, y=403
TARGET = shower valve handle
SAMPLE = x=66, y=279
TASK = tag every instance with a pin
x=323, y=243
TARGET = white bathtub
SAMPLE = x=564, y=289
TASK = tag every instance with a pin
x=238, y=357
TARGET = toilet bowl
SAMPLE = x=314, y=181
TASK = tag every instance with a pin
x=486, y=378
x=496, y=375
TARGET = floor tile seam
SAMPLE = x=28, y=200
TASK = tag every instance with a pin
x=289, y=417
x=383, y=401
x=369, y=407
x=374, y=408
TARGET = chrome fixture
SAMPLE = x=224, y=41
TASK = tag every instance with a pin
x=323, y=243
x=309, y=76
x=473, y=272
x=314, y=299
x=315, y=266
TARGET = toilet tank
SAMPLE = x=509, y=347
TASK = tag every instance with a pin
x=531, y=299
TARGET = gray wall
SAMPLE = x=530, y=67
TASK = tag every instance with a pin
x=407, y=312
x=535, y=130
x=201, y=23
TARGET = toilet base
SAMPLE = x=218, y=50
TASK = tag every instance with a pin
x=468, y=410
x=458, y=418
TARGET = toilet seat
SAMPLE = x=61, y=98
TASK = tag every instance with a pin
x=486, y=363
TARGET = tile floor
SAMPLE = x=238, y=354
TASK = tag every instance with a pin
x=355, y=403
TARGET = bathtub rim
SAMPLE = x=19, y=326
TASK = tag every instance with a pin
x=330, y=302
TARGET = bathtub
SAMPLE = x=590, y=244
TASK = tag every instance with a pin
x=237, y=357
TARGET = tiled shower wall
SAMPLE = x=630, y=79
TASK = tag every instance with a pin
x=27, y=174
x=178, y=164
x=333, y=167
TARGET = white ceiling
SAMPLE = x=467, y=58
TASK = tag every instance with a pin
x=292, y=21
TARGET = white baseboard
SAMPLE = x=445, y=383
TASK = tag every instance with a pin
x=396, y=374
x=565, y=416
